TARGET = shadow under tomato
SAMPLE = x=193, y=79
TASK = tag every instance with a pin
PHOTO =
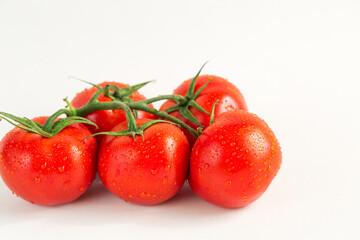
x=99, y=207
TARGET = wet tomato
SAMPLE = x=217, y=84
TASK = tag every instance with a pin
x=146, y=171
x=220, y=89
x=48, y=171
x=234, y=160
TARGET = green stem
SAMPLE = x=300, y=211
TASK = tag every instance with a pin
x=142, y=107
x=175, y=98
x=49, y=122
x=96, y=106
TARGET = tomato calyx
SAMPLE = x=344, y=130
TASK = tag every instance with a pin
x=184, y=105
x=50, y=128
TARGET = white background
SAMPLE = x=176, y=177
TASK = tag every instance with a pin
x=296, y=62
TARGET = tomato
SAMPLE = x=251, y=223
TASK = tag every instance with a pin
x=48, y=171
x=106, y=119
x=218, y=89
x=234, y=160
x=148, y=171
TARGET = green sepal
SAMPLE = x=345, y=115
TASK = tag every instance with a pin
x=213, y=112
x=50, y=128
x=63, y=123
x=23, y=121
x=183, y=107
x=128, y=91
x=185, y=112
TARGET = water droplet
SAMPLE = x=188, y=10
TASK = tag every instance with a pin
x=43, y=166
x=37, y=180
x=232, y=144
x=221, y=137
x=114, y=183
x=245, y=199
x=199, y=170
x=62, y=168
x=228, y=181
x=167, y=167
x=152, y=147
x=147, y=156
x=206, y=165
x=157, y=134
x=154, y=171
x=12, y=172
x=143, y=194
x=131, y=196
x=165, y=179
x=81, y=188
x=268, y=168
x=139, y=177
x=66, y=183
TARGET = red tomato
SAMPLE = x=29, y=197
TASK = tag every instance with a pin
x=48, y=171
x=234, y=160
x=218, y=89
x=148, y=171
x=106, y=119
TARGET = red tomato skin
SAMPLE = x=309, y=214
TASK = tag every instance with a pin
x=145, y=172
x=234, y=160
x=106, y=119
x=48, y=171
x=220, y=89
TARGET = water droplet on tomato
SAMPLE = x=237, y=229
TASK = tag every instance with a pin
x=228, y=181
x=232, y=144
x=206, y=165
x=199, y=170
x=245, y=199
x=12, y=172
x=143, y=194
x=66, y=183
x=154, y=171
x=114, y=183
x=43, y=166
x=139, y=177
x=131, y=196
x=37, y=180
x=81, y=188
x=165, y=180
x=167, y=167
x=62, y=168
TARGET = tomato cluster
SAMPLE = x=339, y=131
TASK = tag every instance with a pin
x=229, y=155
